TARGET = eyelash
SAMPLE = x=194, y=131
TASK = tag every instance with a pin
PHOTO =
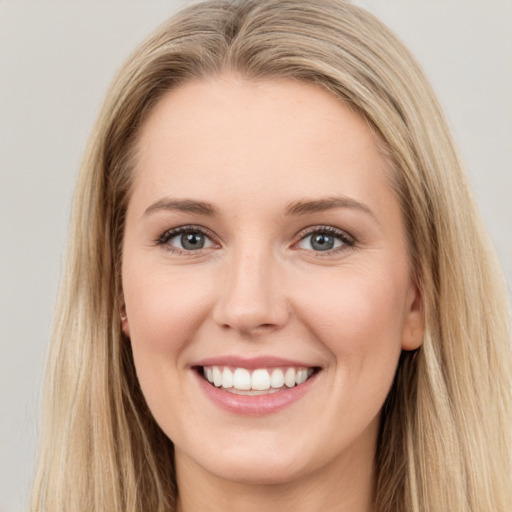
x=168, y=235
x=346, y=240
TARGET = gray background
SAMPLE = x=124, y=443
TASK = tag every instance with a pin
x=56, y=61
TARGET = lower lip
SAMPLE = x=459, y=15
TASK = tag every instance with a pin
x=254, y=405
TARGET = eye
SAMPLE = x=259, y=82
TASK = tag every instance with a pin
x=325, y=239
x=186, y=239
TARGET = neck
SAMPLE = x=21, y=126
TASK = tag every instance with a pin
x=345, y=485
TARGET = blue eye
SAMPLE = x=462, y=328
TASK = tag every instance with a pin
x=325, y=239
x=185, y=239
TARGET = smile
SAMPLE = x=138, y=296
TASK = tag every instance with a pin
x=254, y=387
x=259, y=381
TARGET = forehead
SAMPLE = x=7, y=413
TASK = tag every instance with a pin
x=256, y=138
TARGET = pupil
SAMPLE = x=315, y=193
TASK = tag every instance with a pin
x=322, y=242
x=192, y=241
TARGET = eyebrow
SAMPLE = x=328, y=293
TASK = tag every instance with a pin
x=300, y=207
x=182, y=205
x=308, y=206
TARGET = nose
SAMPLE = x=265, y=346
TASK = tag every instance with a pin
x=251, y=296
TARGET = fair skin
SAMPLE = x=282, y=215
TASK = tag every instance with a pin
x=288, y=251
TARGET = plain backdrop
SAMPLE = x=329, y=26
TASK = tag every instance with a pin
x=56, y=61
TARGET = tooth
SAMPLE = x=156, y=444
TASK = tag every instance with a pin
x=208, y=373
x=242, y=379
x=277, y=378
x=301, y=376
x=227, y=378
x=217, y=376
x=260, y=380
x=289, y=377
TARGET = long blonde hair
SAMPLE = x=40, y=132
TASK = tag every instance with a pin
x=445, y=442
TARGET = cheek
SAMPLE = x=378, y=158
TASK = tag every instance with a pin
x=359, y=317
x=164, y=311
x=164, y=308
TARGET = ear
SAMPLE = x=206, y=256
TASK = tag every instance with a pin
x=125, y=325
x=414, y=321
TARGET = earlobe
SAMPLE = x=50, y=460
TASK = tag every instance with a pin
x=414, y=325
x=124, y=322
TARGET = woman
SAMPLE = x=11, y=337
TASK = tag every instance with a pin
x=278, y=291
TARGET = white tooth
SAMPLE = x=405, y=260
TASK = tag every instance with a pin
x=217, y=377
x=289, y=377
x=242, y=379
x=277, y=378
x=227, y=378
x=301, y=376
x=260, y=380
x=208, y=372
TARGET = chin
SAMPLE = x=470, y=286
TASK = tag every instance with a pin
x=255, y=464
x=258, y=471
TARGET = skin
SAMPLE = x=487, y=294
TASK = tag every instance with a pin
x=258, y=287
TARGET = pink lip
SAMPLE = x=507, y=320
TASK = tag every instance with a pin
x=254, y=405
x=251, y=363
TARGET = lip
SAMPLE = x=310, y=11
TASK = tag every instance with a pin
x=252, y=405
x=252, y=363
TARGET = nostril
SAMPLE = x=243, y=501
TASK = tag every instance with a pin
x=246, y=328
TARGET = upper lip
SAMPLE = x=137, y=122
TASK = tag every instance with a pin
x=251, y=363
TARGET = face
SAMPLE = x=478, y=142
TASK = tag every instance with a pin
x=266, y=281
